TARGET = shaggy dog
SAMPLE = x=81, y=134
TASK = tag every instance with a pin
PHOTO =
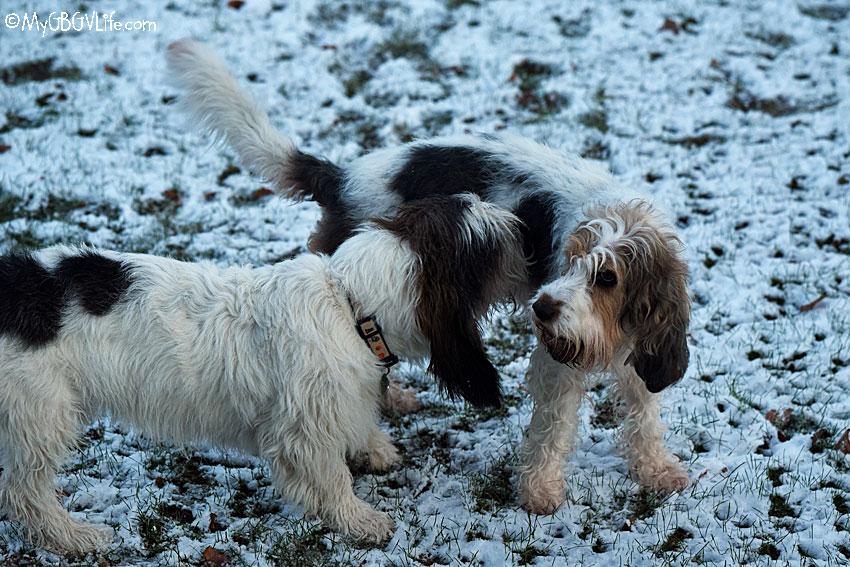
x=264, y=360
x=605, y=270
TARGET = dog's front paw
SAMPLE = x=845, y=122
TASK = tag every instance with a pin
x=666, y=477
x=371, y=526
x=400, y=400
x=383, y=456
x=541, y=496
x=76, y=538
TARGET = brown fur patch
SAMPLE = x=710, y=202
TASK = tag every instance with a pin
x=456, y=285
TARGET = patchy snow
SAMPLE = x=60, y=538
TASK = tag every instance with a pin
x=736, y=115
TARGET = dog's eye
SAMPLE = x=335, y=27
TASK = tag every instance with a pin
x=606, y=278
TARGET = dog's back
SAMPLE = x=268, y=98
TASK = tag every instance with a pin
x=139, y=335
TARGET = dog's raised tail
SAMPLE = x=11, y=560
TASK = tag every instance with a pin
x=214, y=101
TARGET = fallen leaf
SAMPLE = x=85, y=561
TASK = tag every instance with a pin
x=779, y=420
x=843, y=444
x=813, y=304
x=173, y=196
x=4, y=148
x=110, y=70
x=215, y=525
x=262, y=192
x=816, y=437
x=669, y=25
x=235, y=4
x=213, y=558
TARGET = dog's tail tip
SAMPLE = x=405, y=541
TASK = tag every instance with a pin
x=180, y=50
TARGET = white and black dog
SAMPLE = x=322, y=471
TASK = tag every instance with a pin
x=266, y=360
x=605, y=268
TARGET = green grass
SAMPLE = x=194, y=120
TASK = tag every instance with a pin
x=38, y=70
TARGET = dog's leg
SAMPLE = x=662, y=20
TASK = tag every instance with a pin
x=322, y=484
x=401, y=400
x=35, y=436
x=649, y=458
x=377, y=455
x=380, y=451
x=315, y=475
x=557, y=391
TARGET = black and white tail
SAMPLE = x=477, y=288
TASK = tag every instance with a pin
x=214, y=101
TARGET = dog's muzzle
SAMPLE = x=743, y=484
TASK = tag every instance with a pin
x=562, y=349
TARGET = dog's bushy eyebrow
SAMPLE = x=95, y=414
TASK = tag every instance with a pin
x=32, y=297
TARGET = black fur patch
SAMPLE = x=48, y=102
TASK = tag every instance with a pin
x=97, y=282
x=31, y=300
x=441, y=170
x=538, y=215
x=451, y=294
x=322, y=181
x=316, y=179
x=32, y=297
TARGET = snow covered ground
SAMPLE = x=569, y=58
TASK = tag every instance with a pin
x=735, y=114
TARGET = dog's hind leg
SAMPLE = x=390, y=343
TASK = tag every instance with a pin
x=40, y=425
x=557, y=391
x=649, y=458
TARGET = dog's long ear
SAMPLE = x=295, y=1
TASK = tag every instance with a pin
x=458, y=359
x=658, y=309
x=461, y=245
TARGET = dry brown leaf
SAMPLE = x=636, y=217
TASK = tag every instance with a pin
x=215, y=525
x=779, y=420
x=843, y=444
x=813, y=304
x=261, y=192
x=214, y=558
x=669, y=25
x=818, y=435
x=173, y=196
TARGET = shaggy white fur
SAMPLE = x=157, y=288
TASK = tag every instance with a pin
x=265, y=360
x=609, y=270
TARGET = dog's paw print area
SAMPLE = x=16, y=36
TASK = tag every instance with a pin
x=734, y=116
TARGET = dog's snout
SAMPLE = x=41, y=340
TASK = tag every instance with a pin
x=544, y=309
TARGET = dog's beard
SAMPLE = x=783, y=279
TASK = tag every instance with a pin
x=566, y=350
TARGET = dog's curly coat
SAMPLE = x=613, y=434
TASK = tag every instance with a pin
x=265, y=360
x=605, y=268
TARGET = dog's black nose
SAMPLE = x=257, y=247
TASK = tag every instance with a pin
x=544, y=310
